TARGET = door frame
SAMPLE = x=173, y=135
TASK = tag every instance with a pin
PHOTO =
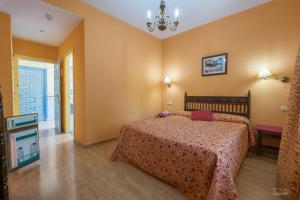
x=65, y=110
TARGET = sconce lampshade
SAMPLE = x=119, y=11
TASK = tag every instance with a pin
x=168, y=81
x=264, y=73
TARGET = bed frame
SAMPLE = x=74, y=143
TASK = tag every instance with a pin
x=221, y=104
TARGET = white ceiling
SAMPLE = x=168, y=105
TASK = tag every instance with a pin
x=28, y=17
x=193, y=13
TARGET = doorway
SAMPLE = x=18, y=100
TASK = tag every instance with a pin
x=35, y=91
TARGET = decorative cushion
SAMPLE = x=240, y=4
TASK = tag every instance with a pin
x=203, y=115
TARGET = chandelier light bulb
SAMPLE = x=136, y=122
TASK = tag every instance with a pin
x=176, y=14
x=149, y=15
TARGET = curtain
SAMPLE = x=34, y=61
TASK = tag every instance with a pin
x=288, y=175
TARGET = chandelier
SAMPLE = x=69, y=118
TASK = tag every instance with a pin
x=163, y=21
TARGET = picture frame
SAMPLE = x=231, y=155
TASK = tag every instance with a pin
x=215, y=65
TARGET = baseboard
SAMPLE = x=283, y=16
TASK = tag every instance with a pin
x=93, y=144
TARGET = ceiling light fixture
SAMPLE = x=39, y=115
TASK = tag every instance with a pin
x=163, y=21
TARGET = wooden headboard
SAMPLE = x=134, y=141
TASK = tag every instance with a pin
x=220, y=104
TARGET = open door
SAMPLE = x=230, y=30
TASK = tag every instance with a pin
x=57, y=102
x=16, y=85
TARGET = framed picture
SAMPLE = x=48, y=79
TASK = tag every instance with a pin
x=214, y=65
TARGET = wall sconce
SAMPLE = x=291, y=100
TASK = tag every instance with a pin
x=168, y=81
x=266, y=74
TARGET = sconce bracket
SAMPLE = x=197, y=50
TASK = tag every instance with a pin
x=284, y=79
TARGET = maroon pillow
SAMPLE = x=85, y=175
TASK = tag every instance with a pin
x=203, y=115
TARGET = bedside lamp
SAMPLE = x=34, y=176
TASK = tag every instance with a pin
x=168, y=81
x=266, y=74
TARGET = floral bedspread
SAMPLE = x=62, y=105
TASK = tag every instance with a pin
x=200, y=158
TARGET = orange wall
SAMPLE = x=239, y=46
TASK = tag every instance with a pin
x=75, y=42
x=35, y=50
x=267, y=35
x=6, y=81
x=122, y=72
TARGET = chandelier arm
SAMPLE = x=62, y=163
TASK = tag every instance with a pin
x=174, y=25
x=152, y=28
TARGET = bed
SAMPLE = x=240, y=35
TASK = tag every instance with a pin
x=200, y=158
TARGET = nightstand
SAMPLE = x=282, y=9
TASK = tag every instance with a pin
x=265, y=131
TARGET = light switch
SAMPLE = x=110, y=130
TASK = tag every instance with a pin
x=284, y=108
